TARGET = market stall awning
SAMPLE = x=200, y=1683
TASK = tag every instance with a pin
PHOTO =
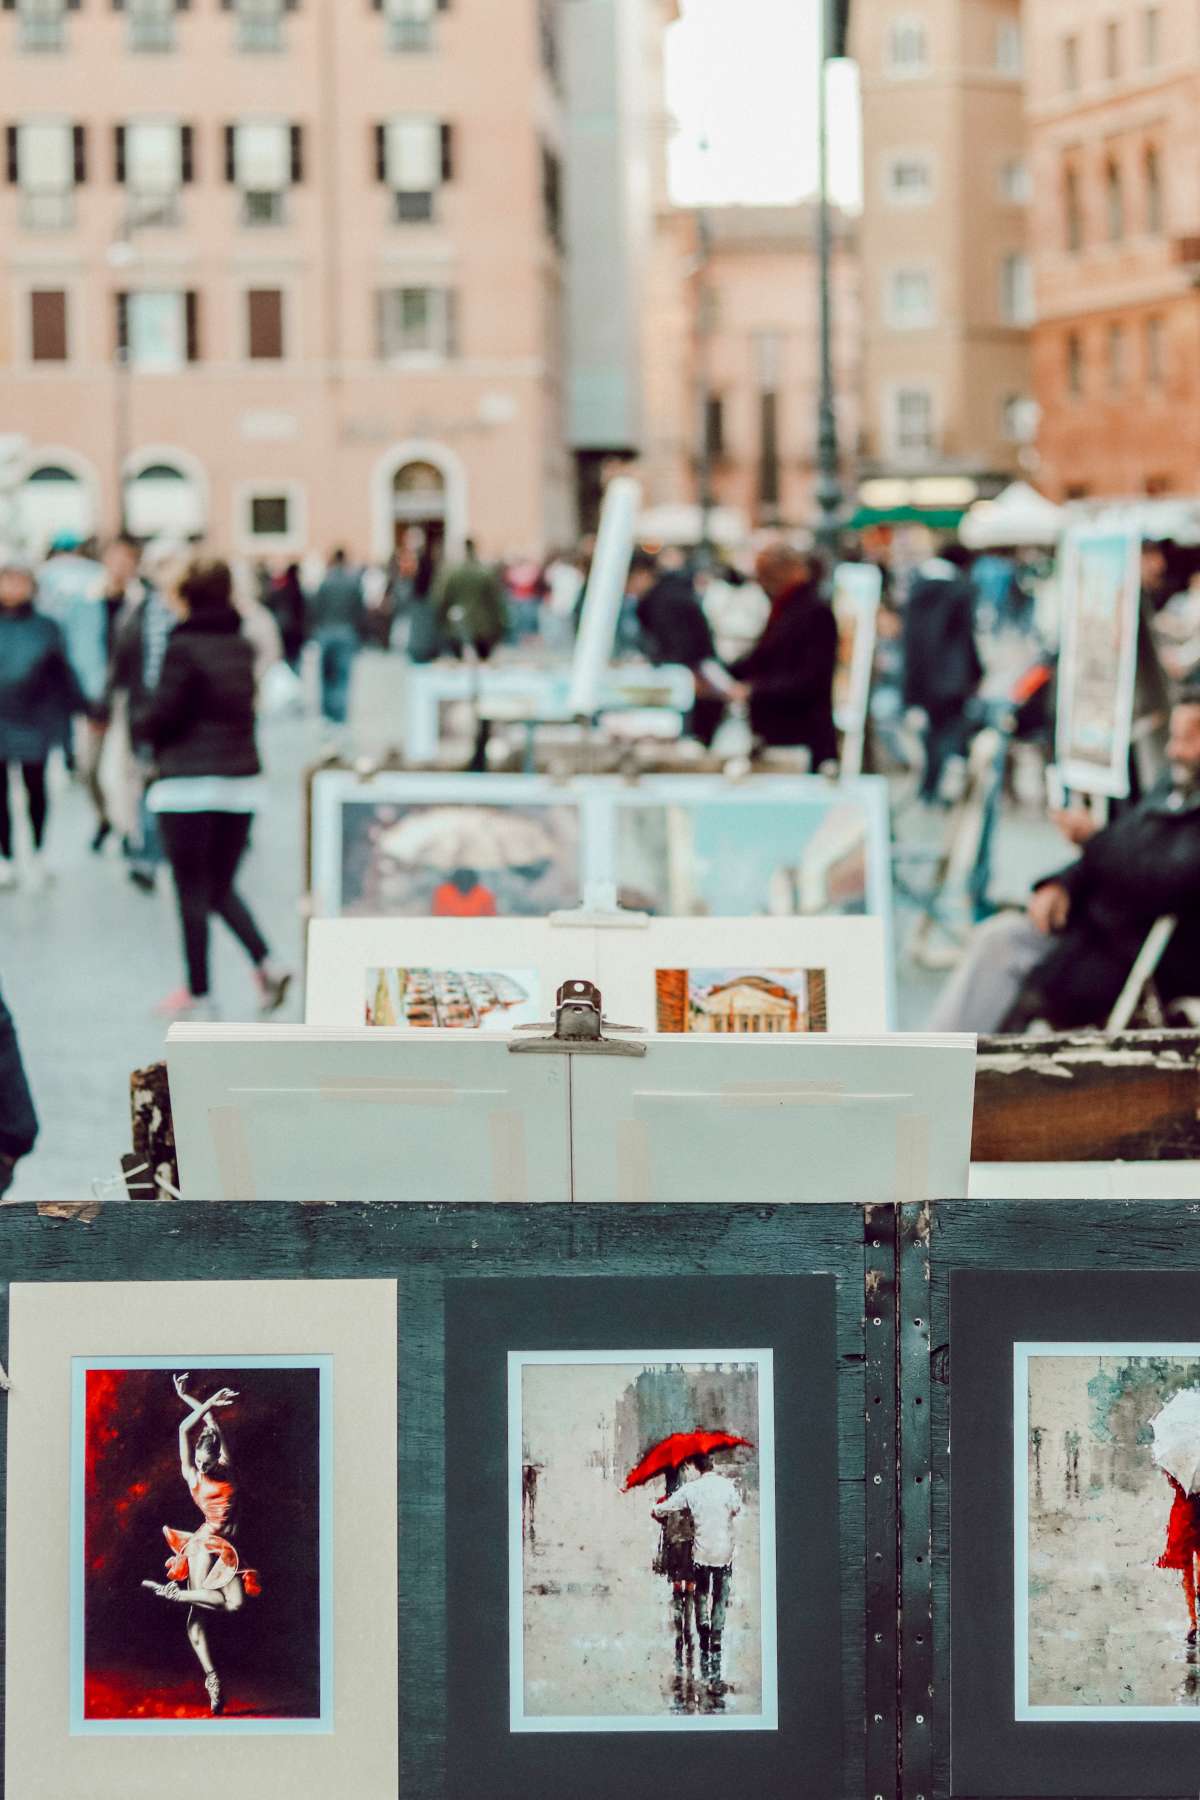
x=937, y=518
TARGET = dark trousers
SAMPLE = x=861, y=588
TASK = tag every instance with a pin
x=204, y=850
x=33, y=774
x=945, y=736
x=339, y=645
x=18, y=1121
x=712, y=1596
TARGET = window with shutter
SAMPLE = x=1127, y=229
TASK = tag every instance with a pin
x=409, y=24
x=265, y=161
x=46, y=160
x=416, y=323
x=416, y=158
x=264, y=324
x=156, y=163
x=260, y=24
x=48, y=325
x=43, y=24
x=151, y=24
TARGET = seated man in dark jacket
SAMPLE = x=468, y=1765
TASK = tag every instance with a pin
x=1067, y=959
x=787, y=679
x=18, y=1121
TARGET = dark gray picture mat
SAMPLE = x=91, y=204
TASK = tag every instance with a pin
x=991, y=1753
x=794, y=1316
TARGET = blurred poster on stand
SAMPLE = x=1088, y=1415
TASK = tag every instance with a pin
x=1097, y=676
x=857, y=590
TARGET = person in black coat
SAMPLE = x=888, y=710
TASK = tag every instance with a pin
x=674, y=628
x=1067, y=959
x=199, y=721
x=39, y=694
x=942, y=669
x=18, y=1121
x=787, y=679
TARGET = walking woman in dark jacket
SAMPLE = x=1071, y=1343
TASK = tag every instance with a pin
x=200, y=722
x=39, y=693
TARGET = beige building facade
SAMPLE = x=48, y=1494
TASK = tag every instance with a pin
x=732, y=356
x=948, y=293
x=1114, y=109
x=288, y=273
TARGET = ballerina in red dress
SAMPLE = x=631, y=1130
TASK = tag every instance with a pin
x=204, y=1569
x=1183, y=1546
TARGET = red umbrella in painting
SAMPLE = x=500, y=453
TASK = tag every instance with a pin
x=679, y=1448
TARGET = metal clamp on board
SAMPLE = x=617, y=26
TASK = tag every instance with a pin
x=578, y=1028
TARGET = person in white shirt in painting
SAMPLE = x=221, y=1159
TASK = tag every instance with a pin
x=714, y=1502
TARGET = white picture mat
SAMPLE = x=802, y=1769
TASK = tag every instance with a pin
x=1085, y=776
x=857, y=591
x=52, y=1323
x=283, y=1113
x=851, y=951
x=621, y=959
x=1024, y=1712
x=775, y=1120
x=340, y=951
x=764, y=1361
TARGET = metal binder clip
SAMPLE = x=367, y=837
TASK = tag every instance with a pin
x=577, y=1028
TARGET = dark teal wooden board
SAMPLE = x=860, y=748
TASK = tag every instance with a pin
x=421, y=1247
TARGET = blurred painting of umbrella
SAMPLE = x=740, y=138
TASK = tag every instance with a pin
x=641, y=1540
x=1177, y=1439
x=459, y=859
x=679, y=1448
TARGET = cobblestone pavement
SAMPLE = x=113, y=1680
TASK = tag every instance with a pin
x=83, y=963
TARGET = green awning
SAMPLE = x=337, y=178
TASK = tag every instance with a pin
x=937, y=518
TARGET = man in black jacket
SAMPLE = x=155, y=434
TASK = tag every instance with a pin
x=18, y=1121
x=787, y=679
x=1067, y=959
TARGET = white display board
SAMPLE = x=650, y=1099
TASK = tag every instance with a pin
x=704, y=975
x=857, y=591
x=1097, y=671
x=282, y=1113
x=605, y=591
x=279, y=1113
x=776, y=1120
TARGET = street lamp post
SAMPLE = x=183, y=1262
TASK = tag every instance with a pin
x=829, y=494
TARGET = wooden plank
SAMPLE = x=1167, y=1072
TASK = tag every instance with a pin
x=1086, y=1098
x=880, y=1540
x=915, y=1650
x=421, y=1246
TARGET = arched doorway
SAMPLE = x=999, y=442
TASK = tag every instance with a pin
x=419, y=508
x=163, y=499
x=54, y=502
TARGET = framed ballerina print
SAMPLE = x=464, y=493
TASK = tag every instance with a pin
x=190, y=1465
x=245, y=1581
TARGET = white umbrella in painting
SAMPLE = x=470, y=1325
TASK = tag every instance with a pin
x=468, y=837
x=1177, y=1439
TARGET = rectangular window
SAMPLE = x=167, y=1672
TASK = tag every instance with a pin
x=1015, y=185
x=416, y=322
x=1016, y=289
x=155, y=329
x=1072, y=211
x=1070, y=64
x=1112, y=49
x=151, y=24
x=910, y=299
x=260, y=24
x=1114, y=203
x=410, y=24
x=45, y=161
x=714, y=427
x=261, y=159
x=1074, y=365
x=413, y=159
x=1156, y=351
x=552, y=201
x=270, y=515
x=1009, y=56
x=43, y=24
x=909, y=180
x=48, y=325
x=912, y=422
x=1152, y=36
x=768, y=454
x=264, y=324
x=1116, y=357
x=1156, y=222
x=907, y=47
x=151, y=156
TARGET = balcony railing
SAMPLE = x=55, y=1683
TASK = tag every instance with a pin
x=406, y=35
x=152, y=212
x=412, y=208
x=43, y=30
x=154, y=31
x=48, y=211
x=260, y=208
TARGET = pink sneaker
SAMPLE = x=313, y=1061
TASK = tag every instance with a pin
x=183, y=1006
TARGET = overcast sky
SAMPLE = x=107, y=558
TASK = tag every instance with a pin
x=744, y=74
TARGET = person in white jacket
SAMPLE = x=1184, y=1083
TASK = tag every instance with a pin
x=714, y=1502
